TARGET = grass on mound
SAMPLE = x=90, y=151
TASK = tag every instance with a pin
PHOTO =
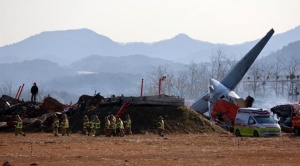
x=145, y=119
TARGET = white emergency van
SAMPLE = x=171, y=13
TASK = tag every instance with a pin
x=255, y=122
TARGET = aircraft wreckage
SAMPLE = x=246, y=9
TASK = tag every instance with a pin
x=221, y=101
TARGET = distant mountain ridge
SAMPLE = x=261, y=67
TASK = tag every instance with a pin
x=34, y=70
x=288, y=53
x=105, y=74
x=68, y=46
x=134, y=64
x=62, y=47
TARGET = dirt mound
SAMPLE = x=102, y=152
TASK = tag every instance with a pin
x=145, y=119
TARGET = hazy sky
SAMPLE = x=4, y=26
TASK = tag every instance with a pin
x=216, y=21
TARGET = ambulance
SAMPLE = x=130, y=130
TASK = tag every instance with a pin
x=256, y=122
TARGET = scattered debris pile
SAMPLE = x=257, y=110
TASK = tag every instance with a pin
x=33, y=114
x=90, y=100
x=39, y=116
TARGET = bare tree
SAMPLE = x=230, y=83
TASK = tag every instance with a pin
x=220, y=63
x=180, y=84
x=276, y=69
x=7, y=88
x=292, y=66
x=152, y=81
x=263, y=77
x=196, y=77
x=265, y=71
x=254, y=75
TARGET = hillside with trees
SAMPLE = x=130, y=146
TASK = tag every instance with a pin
x=123, y=74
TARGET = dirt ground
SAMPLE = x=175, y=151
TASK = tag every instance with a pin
x=147, y=149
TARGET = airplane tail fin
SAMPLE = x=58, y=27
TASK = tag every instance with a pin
x=235, y=75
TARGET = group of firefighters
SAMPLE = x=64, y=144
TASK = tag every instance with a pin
x=113, y=126
x=64, y=125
